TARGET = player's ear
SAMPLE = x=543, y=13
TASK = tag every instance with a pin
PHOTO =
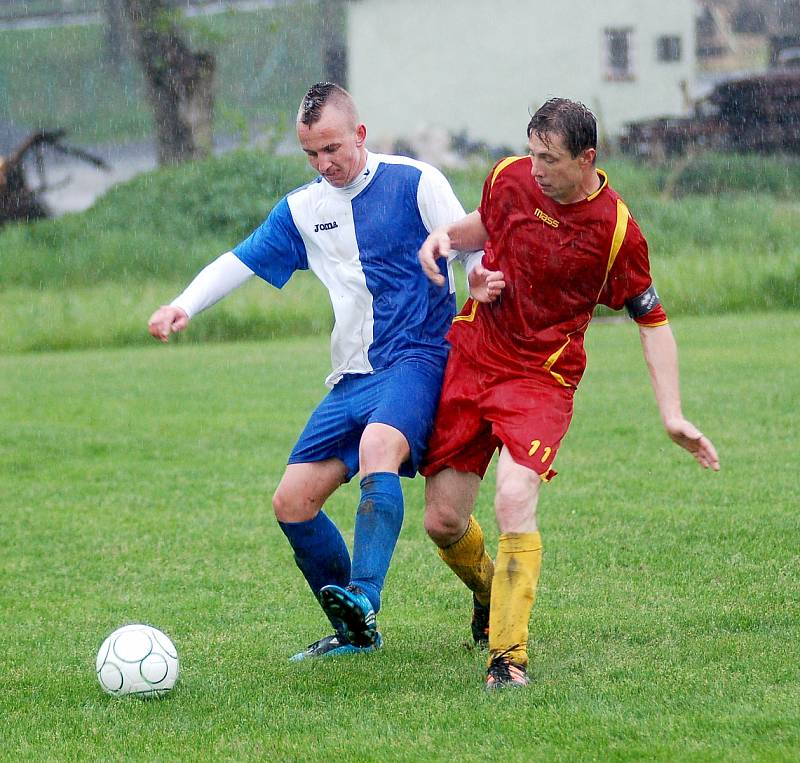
x=587, y=156
x=361, y=135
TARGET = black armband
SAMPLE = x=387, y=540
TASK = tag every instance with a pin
x=643, y=304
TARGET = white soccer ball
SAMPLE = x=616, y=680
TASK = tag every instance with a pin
x=137, y=659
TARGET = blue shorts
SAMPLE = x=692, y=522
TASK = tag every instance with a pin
x=404, y=396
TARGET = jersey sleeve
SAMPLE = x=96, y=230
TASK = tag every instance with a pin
x=212, y=283
x=275, y=249
x=486, y=193
x=438, y=204
x=629, y=280
x=485, y=208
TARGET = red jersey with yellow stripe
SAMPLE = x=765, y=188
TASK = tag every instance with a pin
x=559, y=261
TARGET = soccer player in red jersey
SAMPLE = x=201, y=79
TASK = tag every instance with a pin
x=558, y=241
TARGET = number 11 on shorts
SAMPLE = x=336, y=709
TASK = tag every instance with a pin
x=535, y=445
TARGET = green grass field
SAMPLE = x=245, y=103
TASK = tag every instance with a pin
x=135, y=484
x=135, y=480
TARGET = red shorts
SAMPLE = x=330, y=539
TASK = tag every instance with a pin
x=481, y=409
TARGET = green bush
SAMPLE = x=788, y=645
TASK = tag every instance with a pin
x=92, y=279
x=226, y=195
x=709, y=174
x=164, y=224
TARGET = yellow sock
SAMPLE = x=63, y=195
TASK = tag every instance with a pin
x=516, y=575
x=467, y=557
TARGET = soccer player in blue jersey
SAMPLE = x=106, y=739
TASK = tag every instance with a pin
x=358, y=226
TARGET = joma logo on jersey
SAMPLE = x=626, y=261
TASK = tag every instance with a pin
x=325, y=226
x=545, y=218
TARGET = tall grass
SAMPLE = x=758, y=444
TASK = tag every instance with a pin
x=161, y=225
x=92, y=278
x=710, y=173
x=726, y=242
x=115, y=315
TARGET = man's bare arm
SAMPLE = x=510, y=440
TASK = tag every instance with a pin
x=464, y=235
x=661, y=356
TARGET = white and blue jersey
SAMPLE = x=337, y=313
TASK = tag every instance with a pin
x=362, y=242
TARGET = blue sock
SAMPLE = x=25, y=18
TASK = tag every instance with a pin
x=378, y=523
x=320, y=551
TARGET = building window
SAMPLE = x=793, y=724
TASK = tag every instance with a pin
x=710, y=40
x=668, y=48
x=618, y=53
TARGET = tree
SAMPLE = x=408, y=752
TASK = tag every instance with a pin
x=117, y=42
x=334, y=48
x=17, y=200
x=180, y=82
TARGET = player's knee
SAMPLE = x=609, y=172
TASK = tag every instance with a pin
x=280, y=505
x=516, y=495
x=444, y=526
x=287, y=508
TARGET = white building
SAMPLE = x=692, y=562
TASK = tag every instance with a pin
x=479, y=65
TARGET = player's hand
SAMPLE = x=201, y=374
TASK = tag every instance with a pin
x=435, y=246
x=485, y=285
x=165, y=321
x=688, y=436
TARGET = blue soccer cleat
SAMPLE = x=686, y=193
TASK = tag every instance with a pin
x=333, y=646
x=351, y=611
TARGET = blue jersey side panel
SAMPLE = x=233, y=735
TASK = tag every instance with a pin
x=275, y=249
x=411, y=315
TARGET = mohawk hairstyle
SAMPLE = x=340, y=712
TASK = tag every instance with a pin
x=570, y=119
x=317, y=97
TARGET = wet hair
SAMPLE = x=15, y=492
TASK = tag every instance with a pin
x=319, y=96
x=570, y=119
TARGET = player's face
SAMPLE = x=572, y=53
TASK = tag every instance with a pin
x=334, y=145
x=559, y=174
